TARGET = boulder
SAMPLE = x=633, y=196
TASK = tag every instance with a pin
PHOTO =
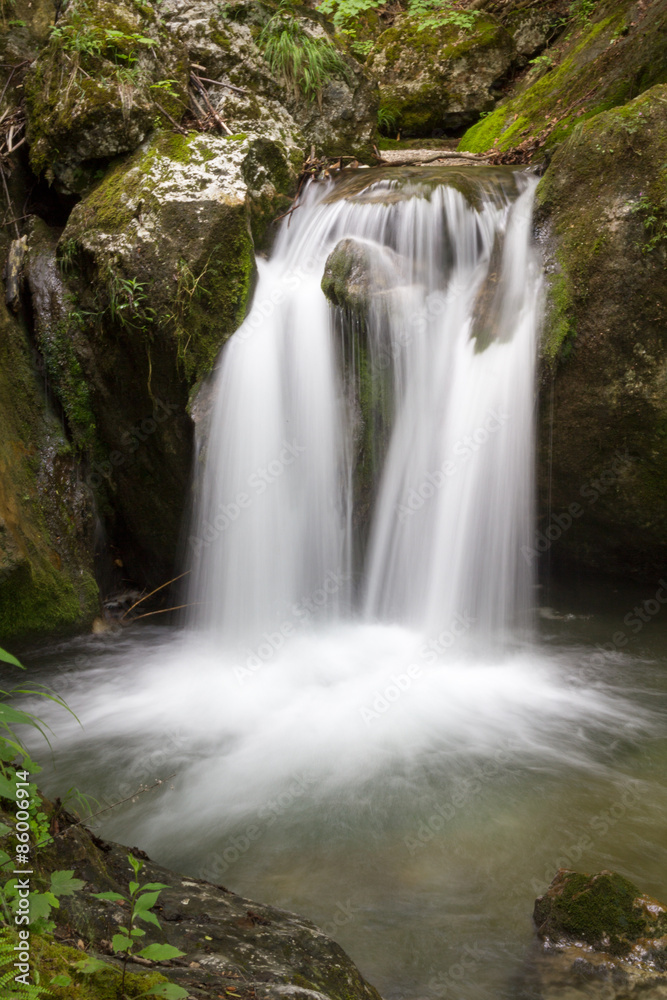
x=602, y=224
x=439, y=78
x=157, y=266
x=600, y=938
x=230, y=944
x=46, y=508
x=91, y=93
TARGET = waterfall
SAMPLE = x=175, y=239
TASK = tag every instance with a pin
x=444, y=393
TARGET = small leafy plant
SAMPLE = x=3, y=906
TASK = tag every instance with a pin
x=141, y=900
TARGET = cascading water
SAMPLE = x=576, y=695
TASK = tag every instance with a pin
x=343, y=732
x=453, y=303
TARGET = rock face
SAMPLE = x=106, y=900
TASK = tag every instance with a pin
x=230, y=943
x=601, y=223
x=46, y=508
x=439, y=78
x=159, y=260
x=601, y=939
x=601, y=63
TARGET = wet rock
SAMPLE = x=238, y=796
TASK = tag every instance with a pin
x=440, y=77
x=601, y=223
x=46, y=510
x=601, y=938
x=230, y=943
x=356, y=271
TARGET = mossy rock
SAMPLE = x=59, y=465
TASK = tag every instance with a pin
x=158, y=266
x=604, y=910
x=602, y=224
x=600, y=65
x=91, y=93
x=439, y=78
x=46, y=511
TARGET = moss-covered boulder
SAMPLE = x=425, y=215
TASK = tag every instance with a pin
x=600, y=937
x=155, y=268
x=334, y=110
x=601, y=62
x=357, y=272
x=439, y=77
x=91, y=93
x=46, y=510
x=602, y=225
x=231, y=945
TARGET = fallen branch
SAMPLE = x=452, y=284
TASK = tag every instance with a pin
x=221, y=83
x=202, y=90
x=161, y=587
x=179, y=128
x=444, y=154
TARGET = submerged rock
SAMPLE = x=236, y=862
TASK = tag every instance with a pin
x=357, y=271
x=602, y=938
x=439, y=77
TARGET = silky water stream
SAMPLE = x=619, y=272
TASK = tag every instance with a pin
x=365, y=718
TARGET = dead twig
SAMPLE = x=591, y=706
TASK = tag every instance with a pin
x=179, y=128
x=221, y=83
x=128, y=798
x=202, y=90
x=161, y=587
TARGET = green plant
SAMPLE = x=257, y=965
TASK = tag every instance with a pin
x=441, y=13
x=654, y=221
x=545, y=61
x=303, y=62
x=127, y=300
x=10, y=989
x=581, y=10
x=141, y=900
x=387, y=120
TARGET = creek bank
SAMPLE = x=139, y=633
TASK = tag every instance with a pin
x=600, y=938
x=258, y=952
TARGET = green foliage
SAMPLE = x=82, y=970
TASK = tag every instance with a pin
x=387, y=120
x=84, y=38
x=304, y=63
x=543, y=62
x=141, y=900
x=582, y=10
x=440, y=13
x=9, y=988
x=654, y=220
x=127, y=302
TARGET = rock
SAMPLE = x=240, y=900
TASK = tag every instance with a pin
x=601, y=224
x=356, y=271
x=601, y=936
x=46, y=511
x=439, y=78
x=225, y=41
x=91, y=94
x=611, y=57
x=158, y=264
x=230, y=943
x=532, y=29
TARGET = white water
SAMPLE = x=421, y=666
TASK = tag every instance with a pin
x=455, y=307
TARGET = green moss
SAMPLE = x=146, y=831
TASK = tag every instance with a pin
x=53, y=959
x=561, y=326
x=596, y=72
x=593, y=908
